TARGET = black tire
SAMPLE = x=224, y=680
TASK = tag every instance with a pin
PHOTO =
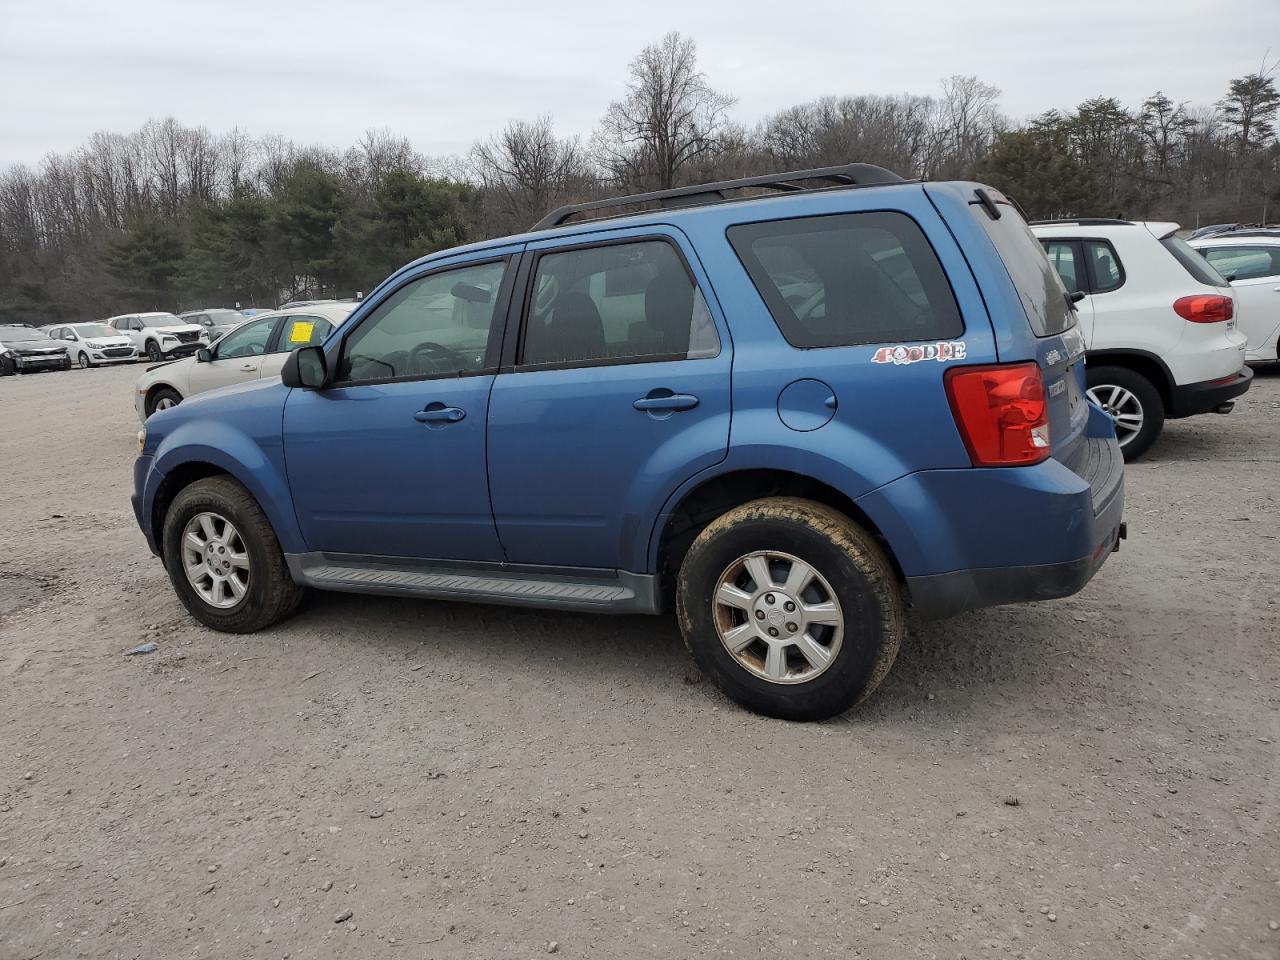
x=153, y=352
x=164, y=393
x=7, y=369
x=860, y=579
x=84, y=361
x=1144, y=392
x=271, y=594
x=66, y=364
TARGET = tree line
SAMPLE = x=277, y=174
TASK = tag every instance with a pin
x=172, y=217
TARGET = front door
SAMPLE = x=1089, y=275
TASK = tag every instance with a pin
x=617, y=391
x=236, y=358
x=389, y=459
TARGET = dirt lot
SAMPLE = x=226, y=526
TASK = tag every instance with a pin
x=1096, y=777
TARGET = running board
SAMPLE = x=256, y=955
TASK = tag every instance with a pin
x=602, y=591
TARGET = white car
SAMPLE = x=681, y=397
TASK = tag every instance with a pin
x=1250, y=260
x=1159, y=323
x=160, y=335
x=94, y=344
x=257, y=348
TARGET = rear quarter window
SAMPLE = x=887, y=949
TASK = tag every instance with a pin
x=1042, y=293
x=848, y=279
x=1199, y=268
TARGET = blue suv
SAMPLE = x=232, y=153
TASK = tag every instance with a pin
x=788, y=407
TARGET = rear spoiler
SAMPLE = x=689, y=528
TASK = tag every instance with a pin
x=1161, y=229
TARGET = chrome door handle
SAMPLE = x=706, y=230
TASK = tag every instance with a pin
x=673, y=401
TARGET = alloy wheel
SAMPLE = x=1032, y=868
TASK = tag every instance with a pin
x=84, y=361
x=164, y=403
x=1122, y=406
x=215, y=559
x=778, y=617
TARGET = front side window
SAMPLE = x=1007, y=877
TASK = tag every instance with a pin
x=847, y=279
x=1245, y=263
x=247, y=341
x=434, y=326
x=303, y=331
x=1062, y=254
x=621, y=302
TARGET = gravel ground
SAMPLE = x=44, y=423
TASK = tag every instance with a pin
x=1095, y=777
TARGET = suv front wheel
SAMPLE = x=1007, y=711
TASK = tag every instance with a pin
x=791, y=608
x=224, y=560
x=1133, y=403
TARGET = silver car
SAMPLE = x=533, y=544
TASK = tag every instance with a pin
x=94, y=344
x=216, y=321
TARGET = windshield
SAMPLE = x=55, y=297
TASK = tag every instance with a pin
x=91, y=330
x=161, y=320
x=21, y=333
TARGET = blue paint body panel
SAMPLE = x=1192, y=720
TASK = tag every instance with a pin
x=558, y=468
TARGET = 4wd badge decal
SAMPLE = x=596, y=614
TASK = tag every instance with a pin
x=914, y=353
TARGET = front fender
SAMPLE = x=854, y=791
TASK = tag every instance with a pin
x=255, y=462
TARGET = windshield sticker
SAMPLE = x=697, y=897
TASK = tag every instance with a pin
x=914, y=353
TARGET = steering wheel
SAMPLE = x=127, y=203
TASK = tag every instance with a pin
x=438, y=359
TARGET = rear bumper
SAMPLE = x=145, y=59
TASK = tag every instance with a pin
x=980, y=537
x=1190, y=399
x=946, y=594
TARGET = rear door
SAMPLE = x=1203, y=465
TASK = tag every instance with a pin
x=295, y=330
x=615, y=392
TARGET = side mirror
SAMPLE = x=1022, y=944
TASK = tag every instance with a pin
x=203, y=355
x=1077, y=296
x=305, y=368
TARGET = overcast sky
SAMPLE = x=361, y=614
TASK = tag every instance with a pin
x=444, y=74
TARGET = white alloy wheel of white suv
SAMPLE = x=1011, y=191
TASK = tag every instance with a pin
x=1250, y=260
x=1159, y=323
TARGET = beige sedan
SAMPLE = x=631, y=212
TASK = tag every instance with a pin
x=257, y=348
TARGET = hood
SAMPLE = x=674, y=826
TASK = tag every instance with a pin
x=42, y=343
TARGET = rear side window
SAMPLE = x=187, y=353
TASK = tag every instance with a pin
x=848, y=279
x=616, y=303
x=1245, y=263
x=1038, y=286
x=1193, y=263
x=1105, y=266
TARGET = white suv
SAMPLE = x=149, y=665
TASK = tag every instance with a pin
x=160, y=336
x=1250, y=260
x=1158, y=321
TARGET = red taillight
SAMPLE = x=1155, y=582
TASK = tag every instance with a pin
x=1001, y=412
x=1204, y=308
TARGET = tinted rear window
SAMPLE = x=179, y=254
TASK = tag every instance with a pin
x=849, y=278
x=1196, y=265
x=1042, y=293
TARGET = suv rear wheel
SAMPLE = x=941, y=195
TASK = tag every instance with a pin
x=791, y=608
x=224, y=560
x=1133, y=402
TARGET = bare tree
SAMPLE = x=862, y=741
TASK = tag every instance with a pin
x=670, y=121
x=526, y=169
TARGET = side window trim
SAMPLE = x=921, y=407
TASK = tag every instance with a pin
x=513, y=353
x=278, y=344
x=492, y=346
